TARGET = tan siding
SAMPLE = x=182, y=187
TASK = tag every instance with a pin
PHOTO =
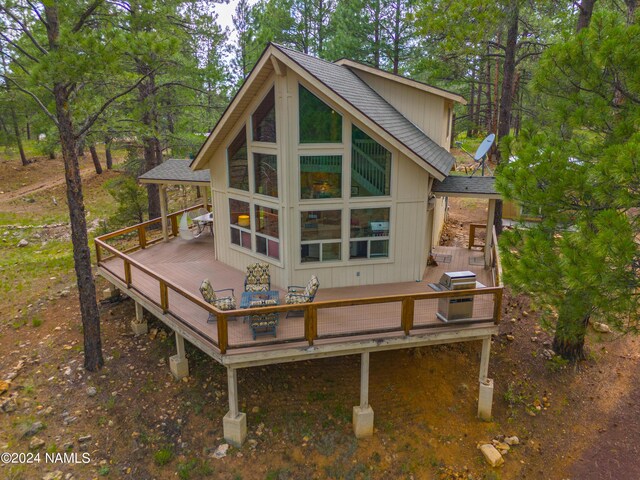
x=410, y=188
x=424, y=109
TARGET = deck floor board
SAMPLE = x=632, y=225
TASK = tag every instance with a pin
x=187, y=263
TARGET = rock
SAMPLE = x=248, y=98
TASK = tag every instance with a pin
x=548, y=353
x=502, y=446
x=33, y=429
x=513, y=440
x=511, y=338
x=534, y=339
x=491, y=455
x=36, y=443
x=92, y=391
x=8, y=405
x=64, y=293
x=255, y=410
x=601, y=327
x=23, y=243
x=84, y=439
x=221, y=451
x=55, y=475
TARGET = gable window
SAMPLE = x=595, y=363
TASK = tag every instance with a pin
x=263, y=119
x=369, y=233
x=237, y=162
x=239, y=214
x=321, y=236
x=265, y=169
x=267, y=232
x=320, y=176
x=318, y=122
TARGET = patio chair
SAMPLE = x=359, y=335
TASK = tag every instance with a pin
x=221, y=303
x=258, y=278
x=266, y=323
x=296, y=294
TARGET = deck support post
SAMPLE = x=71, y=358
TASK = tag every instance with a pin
x=363, y=413
x=485, y=394
x=488, y=241
x=178, y=363
x=163, y=213
x=234, y=423
x=139, y=325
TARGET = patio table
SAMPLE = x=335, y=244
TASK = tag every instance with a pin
x=203, y=221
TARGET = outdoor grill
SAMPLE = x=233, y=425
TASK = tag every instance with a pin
x=458, y=308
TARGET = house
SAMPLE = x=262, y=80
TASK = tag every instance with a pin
x=328, y=168
x=337, y=170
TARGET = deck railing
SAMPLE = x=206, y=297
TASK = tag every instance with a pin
x=409, y=310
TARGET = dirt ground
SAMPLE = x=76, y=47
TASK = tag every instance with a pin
x=136, y=422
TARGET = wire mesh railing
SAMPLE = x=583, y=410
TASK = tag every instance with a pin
x=357, y=318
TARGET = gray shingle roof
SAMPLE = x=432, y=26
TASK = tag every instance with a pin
x=456, y=184
x=355, y=91
x=175, y=170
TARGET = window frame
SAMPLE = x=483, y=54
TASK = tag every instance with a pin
x=249, y=165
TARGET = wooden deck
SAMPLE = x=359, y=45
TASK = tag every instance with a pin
x=187, y=263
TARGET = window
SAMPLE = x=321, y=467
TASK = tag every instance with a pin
x=318, y=122
x=369, y=233
x=321, y=176
x=370, y=166
x=237, y=163
x=267, y=232
x=263, y=119
x=239, y=214
x=266, y=174
x=321, y=235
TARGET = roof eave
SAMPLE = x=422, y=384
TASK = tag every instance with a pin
x=403, y=80
x=356, y=113
x=198, y=162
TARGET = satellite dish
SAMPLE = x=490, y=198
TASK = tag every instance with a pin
x=484, y=147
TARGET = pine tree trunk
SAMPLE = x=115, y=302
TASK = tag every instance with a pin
x=489, y=109
x=476, y=126
x=506, y=98
x=150, y=143
x=376, y=36
x=470, y=108
x=95, y=158
x=568, y=341
x=107, y=152
x=16, y=131
x=584, y=17
x=81, y=254
x=396, y=39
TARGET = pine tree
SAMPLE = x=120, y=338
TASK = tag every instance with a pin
x=580, y=172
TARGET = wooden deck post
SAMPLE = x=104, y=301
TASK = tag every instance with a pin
x=310, y=323
x=163, y=213
x=485, y=394
x=491, y=213
x=363, y=413
x=139, y=325
x=408, y=306
x=178, y=363
x=234, y=423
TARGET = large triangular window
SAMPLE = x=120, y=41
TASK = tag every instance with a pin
x=318, y=122
x=264, y=119
x=237, y=162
